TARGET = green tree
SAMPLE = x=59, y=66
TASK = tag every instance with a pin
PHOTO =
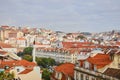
x=27, y=57
x=45, y=62
x=80, y=37
x=51, y=62
x=42, y=62
x=46, y=74
x=6, y=76
x=28, y=50
x=20, y=54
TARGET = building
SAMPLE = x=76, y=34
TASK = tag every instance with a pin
x=21, y=42
x=86, y=74
x=63, y=72
x=60, y=55
x=8, y=48
x=99, y=67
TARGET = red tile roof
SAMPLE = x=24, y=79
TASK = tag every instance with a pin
x=107, y=47
x=25, y=31
x=117, y=43
x=3, y=52
x=4, y=27
x=21, y=39
x=26, y=71
x=4, y=45
x=100, y=60
x=13, y=32
x=66, y=68
x=78, y=45
x=12, y=63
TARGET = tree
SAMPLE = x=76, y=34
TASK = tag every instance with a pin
x=46, y=74
x=6, y=76
x=20, y=54
x=80, y=37
x=28, y=50
x=45, y=62
x=51, y=62
x=27, y=57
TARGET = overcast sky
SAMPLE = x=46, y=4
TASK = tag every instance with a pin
x=62, y=15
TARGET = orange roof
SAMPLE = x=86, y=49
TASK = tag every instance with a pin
x=26, y=71
x=117, y=43
x=13, y=32
x=66, y=68
x=25, y=30
x=78, y=45
x=12, y=63
x=4, y=45
x=100, y=60
x=21, y=39
x=3, y=52
x=38, y=43
x=104, y=47
x=5, y=26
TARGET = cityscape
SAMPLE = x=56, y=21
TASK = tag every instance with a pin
x=44, y=54
x=59, y=40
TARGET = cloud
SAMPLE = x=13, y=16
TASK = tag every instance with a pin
x=65, y=15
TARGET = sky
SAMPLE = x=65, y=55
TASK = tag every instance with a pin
x=62, y=15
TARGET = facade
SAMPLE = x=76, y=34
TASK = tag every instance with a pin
x=21, y=69
x=99, y=67
x=21, y=42
x=86, y=74
x=115, y=56
x=8, y=47
x=63, y=72
x=58, y=54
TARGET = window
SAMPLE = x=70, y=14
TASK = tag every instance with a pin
x=81, y=76
x=87, y=77
x=93, y=78
x=118, y=65
x=18, y=70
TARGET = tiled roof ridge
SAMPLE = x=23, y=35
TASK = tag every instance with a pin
x=26, y=71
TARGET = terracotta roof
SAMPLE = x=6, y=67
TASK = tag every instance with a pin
x=38, y=43
x=13, y=31
x=12, y=63
x=117, y=43
x=25, y=31
x=66, y=68
x=100, y=60
x=21, y=39
x=4, y=45
x=107, y=47
x=113, y=72
x=78, y=45
x=26, y=71
x=2, y=52
x=5, y=26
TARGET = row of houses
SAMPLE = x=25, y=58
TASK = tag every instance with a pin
x=88, y=57
x=97, y=67
x=22, y=69
x=84, y=61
